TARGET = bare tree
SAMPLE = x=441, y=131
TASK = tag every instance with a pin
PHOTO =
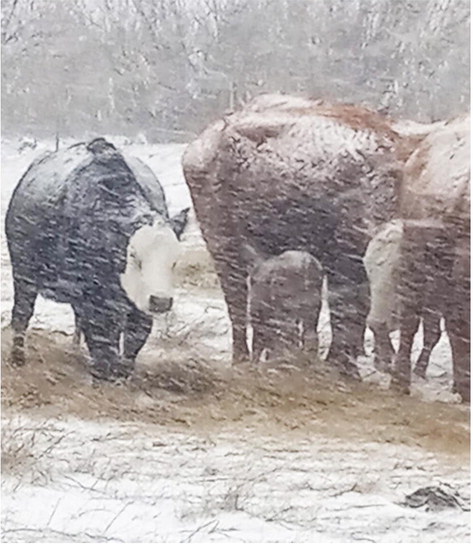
x=167, y=67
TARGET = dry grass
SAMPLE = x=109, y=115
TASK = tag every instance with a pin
x=191, y=391
x=17, y=447
x=26, y=450
x=195, y=269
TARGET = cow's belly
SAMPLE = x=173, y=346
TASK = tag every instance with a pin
x=60, y=291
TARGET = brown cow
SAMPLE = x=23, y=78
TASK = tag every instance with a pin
x=435, y=247
x=293, y=173
x=284, y=303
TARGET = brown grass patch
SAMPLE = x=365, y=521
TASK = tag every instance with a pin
x=195, y=268
x=282, y=398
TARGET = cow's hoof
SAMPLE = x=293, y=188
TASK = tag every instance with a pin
x=350, y=370
x=421, y=372
x=17, y=357
x=382, y=366
x=116, y=375
x=399, y=386
x=100, y=378
x=464, y=392
x=241, y=360
x=125, y=369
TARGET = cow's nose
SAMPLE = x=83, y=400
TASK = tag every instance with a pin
x=158, y=305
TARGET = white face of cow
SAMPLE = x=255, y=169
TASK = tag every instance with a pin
x=151, y=257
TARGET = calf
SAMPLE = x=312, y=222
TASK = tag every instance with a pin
x=285, y=298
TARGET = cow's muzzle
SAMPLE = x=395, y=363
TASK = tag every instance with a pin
x=159, y=305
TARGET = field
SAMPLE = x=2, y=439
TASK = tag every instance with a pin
x=195, y=450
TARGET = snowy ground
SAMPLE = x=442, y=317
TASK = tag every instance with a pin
x=177, y=462
x=136, y=483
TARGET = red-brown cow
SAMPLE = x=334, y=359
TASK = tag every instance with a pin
x=435, y=247
x=292, y=173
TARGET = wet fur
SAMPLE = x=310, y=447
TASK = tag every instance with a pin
x=435, y=248
x=68, y=225
x=312, y=180
x=284, y=304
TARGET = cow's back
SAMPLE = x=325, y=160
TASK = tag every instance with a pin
x=283, y=171
x=37, y=204
x=37, y=200
x=436, y=188
x=150, y=185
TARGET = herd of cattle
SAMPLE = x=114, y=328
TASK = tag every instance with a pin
x=286, y=191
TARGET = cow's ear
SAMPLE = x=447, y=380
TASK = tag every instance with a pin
x=179, y=222
x=252, y=257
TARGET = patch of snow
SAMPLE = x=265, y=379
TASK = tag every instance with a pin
x=145, y=483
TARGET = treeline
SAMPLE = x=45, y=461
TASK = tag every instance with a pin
x=165, y=68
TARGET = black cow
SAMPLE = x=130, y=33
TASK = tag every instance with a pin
x=90, y=228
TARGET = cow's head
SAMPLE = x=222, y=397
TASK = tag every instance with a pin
x=152, y=254
x=121, y=232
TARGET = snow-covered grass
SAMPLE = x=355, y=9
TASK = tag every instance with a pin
x=192, y=451
x=146, y=483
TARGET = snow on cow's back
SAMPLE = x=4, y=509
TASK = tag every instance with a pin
x=44, y=179
x=284, y=135
x=303, y=126
x=437, y=180
x=292, y=130
x=150, y=184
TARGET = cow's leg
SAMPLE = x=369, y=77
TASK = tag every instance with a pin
x=233, y=280
x=410, y=292
x=459, y=333
x=25, y=294
x=401, y=380
x=383, y=348
x=457, y=320
x=102, y=329
x=259, y=335
x=287, y=335
x=432, y=333
x=310, y=337
x=137, y=330
x=258, y=343
x=349, y=306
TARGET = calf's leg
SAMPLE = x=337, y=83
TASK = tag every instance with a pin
x=310, y=336
x=260, y=336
